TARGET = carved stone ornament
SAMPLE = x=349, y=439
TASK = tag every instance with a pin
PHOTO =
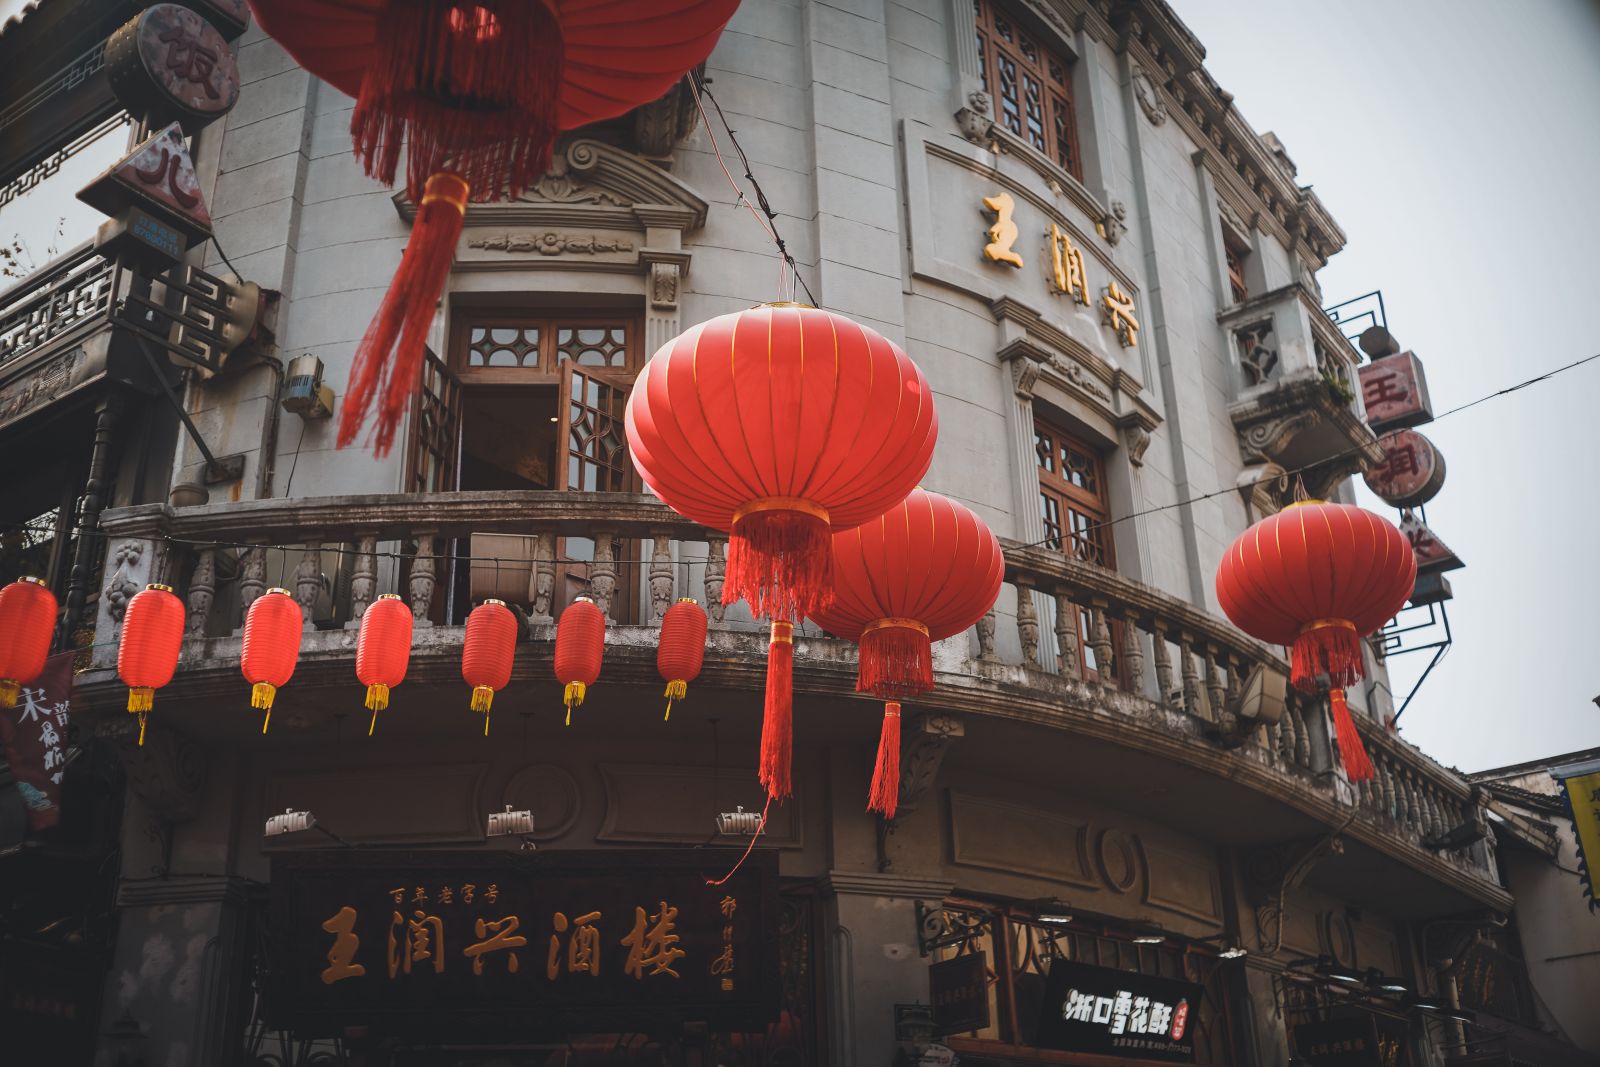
x=931, y=734
x=976, y=117
x=1149, y=97
x=167, y=772
x=560, y=186
x=1113, y=224
x=664, y=285
x=1263, y=440
x=1025, y=376
x=41, y=386
x=660, y=125
x=122, y=585
x=1074, y=373
x=550, y=243
x=1136, y=440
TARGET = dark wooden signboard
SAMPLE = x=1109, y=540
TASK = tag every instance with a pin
x=471, y=945
x=959, y=990
x=1350, y=1042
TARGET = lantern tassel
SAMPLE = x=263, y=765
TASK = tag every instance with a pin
x=574, y=697
x=261, y=695
x=482, y=697
x=1357, y=766
x=143, y=717
x=1327, y=646
x=677, y=689
x=885, y=795
x=8, y=692
x=141, y=698
x=896, y=658
x=781, y=561
x=777, y=725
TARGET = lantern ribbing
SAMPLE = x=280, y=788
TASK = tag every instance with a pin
x=147, y=653
x=487, y=653
x=383, y=651
x=272, y=631
x=580, y=648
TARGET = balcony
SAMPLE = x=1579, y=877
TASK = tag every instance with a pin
x=1077, y=663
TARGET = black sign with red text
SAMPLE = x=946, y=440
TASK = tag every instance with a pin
x=1118, y=1013
x=464, y=945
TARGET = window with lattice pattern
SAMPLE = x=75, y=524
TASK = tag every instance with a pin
x=1030, y=83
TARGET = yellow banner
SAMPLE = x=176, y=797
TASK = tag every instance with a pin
x=1583, y=794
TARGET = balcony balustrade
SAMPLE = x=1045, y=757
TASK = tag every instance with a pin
x=1094, y=651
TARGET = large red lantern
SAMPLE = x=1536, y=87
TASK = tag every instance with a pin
x=383, y=651
x=487, y=652
x=272, y=631
x=1319, y=577
x=927, y=570
x=27, y=621
x=152, y=635
x=580, y=645
x=682, y=650
x=476, y=91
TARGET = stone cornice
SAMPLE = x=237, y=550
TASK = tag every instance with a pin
x=866, y=883
x=181, y=889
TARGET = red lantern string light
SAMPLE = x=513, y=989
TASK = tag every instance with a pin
x=1319, y=577
x=927, y=570
x=580, y=645
x=383, y=651
x=147, y=656
x=487, y=652
x=27, y=622
x=272, y=631
x=476, y=91
x=682, y=650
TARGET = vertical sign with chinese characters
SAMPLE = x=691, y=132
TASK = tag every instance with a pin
x=1582, y=793
x=463, y=944
x=1118, y=1013
x=34, y=734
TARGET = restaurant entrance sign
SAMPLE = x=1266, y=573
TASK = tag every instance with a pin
x=467, y=945
x=1119, y=1013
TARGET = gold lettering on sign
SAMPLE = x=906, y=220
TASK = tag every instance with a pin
x=341, y=957
x=1118, y=313
x=1066, y=266
x=495, y=936
x=653, y=943
x=1003, y=234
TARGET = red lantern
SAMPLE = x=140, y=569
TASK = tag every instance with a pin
x=383, y=651
x=927, y=570
x=477, y=91
x=152, y=634
x=486, y=655
x=272, y=629
x=580, y=645
x=683, y=648
x=27, y=622
x=1319, y=577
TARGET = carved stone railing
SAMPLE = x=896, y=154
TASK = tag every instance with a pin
x=1069, y=644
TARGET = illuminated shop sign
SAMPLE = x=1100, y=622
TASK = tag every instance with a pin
x=1119, y=1013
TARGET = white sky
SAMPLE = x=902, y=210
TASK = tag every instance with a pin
x=1457, y=142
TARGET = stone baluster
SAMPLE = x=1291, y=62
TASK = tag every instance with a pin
x=1302, y=737
x=1027, y=625
x=202, y=589
x=1069, y=664
x=542, y=581
x=1436, y=817
x=603, y=571
x=716, y=568
x=1286, y=730
x=1191, y=677
x=1163, y=658
x=1215, y=691
x=308, y=582
x=985, y=628
x=252, y=578
x=1133, y=654
x=1390, y=798
x=423, y=578
x=1403, y=812
x=660, y=575
x=1100, y=641
x=1364, y=795
x=363, y=577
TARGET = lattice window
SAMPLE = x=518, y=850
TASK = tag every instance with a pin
x=1236, y=252
x=515, y=348
x=1031, y=85
x=1072, y=495
x=435, y=449
x=593, y=346
x=503, y=346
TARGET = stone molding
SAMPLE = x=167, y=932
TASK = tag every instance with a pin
x=870, y=884
x=230, y=889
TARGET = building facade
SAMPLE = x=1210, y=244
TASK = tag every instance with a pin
x=1109, y=280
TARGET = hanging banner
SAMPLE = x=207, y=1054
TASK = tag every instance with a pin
x=1118, y=1013
x=474, y=944
x=1582, y=794
x=34, y=734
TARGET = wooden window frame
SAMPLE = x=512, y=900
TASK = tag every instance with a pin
x=1235, y=251
x=1003, y=38
x=1090, y=503
x=547, y=370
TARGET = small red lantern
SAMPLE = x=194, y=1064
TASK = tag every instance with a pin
x=27, y=621
x=152, y=634
x=580, y=645
x=272, y=629
x=486, y=654
x=383, y=651
x=927, y=570
x=682, y=649
x=1319, y=577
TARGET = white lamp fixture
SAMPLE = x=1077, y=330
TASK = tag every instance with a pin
x=290, y=822
x=739, y=823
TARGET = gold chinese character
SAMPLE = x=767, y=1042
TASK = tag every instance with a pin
x=495, y=936
x=723, y=964
x=466, y=893
x=1066, y=266
x=342, y=926
x=399, y=894
x=652, y=943
x=583, y=948
x=727, y=985
x=727, y=932
x=1118, y=314
x=1003, y=234
x=492, y=893
x=420, y=896
x=446, y=895
x=728, y=906
x=423, y=938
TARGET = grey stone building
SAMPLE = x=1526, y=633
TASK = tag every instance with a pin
x=1109, y=279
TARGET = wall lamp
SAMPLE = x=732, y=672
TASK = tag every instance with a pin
x=294, y=822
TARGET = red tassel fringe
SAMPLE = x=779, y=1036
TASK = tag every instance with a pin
x=402, y=321
x=896, y=661
x=1331, y=650
x=781, y=562
x=1357, y=767
x=777, y=724
x=885, y=795
x=470, y=88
